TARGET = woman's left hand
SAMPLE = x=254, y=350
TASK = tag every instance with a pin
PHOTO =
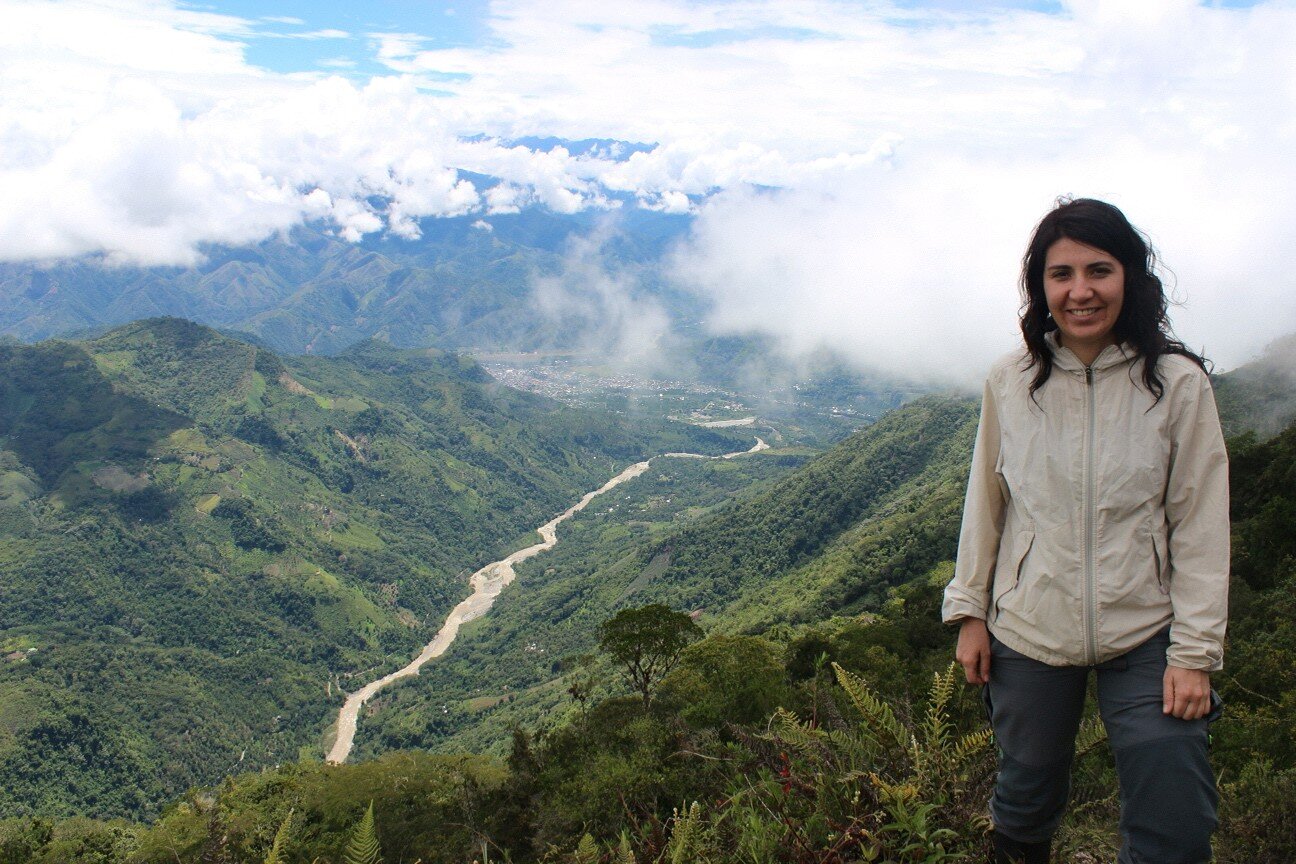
x=1186, y=693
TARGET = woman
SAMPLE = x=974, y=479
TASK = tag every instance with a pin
x=1095, y=537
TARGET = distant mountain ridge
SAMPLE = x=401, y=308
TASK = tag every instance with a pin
x=465, y=281
x=593, y=284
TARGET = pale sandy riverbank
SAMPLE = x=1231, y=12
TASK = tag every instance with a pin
x=487, y=583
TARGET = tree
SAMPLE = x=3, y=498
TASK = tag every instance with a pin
x=646, y=642
x=725, y=679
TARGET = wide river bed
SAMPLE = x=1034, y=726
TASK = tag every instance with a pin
x=487, y=583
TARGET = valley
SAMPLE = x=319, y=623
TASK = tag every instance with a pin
x=202, y=541
x=487, y=583
x=809, y=413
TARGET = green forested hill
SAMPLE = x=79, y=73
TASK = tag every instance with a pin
x=747, y=544
x=201, y=542
x=878, y=510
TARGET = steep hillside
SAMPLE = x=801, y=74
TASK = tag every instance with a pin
x=876, y=511
x=204, y=542
x=873, y=771
x=760, y=542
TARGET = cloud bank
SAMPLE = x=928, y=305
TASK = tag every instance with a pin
x=911, y=149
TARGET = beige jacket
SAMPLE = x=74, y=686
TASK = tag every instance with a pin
x=1097, y=516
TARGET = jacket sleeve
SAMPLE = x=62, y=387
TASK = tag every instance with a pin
x=968, y=593
x=1197, y=516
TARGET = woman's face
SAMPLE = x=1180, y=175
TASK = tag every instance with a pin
x=1085, y=288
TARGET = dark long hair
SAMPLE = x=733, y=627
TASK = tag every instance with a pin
x=1143, y=323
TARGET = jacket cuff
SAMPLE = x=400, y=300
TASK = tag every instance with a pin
x=1190, y=657
x=959, y=605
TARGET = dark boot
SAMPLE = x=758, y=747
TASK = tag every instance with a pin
x=1010, y=851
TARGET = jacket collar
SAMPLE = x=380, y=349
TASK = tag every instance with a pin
x=1066, y=360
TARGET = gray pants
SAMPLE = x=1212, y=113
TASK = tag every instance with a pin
x=1168, y=797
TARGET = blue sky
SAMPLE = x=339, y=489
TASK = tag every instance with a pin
x=277, y=43
x=339, y=37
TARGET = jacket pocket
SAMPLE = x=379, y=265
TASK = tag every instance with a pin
x=1161, y=559
x=1022, y=542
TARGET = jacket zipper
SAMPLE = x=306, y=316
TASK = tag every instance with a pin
x=1090, y=526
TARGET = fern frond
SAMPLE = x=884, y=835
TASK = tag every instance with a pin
x=687, y=844
x=678, y=845
x=942, y=690
x=852, y=747
x=363, y=847
x=936, y=726
x=877, y=714
x=969, y=745
x=895, y=792
x=788, y=728
x=1092, y=733
x=280, y=844
x=587, y=851
x=625, y=855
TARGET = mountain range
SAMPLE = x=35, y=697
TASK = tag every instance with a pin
x=464, y=282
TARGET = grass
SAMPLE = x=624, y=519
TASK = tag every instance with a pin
x=16, y=488
x=356, y=535
x=117, y=362
x=352, y=613
x=481, y=703
x=188, y=440
x=656, y=567
x=256, y=389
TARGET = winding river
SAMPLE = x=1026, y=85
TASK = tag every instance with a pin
x=487, y=583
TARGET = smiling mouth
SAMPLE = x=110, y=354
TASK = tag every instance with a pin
x=1084, y=313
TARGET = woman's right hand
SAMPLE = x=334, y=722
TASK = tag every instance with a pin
x=973, y=652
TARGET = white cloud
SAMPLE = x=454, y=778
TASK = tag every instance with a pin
x=669, y=201
x=602, y=302
x=914, y=148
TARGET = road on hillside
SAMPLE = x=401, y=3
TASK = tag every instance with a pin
x=487, y=583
